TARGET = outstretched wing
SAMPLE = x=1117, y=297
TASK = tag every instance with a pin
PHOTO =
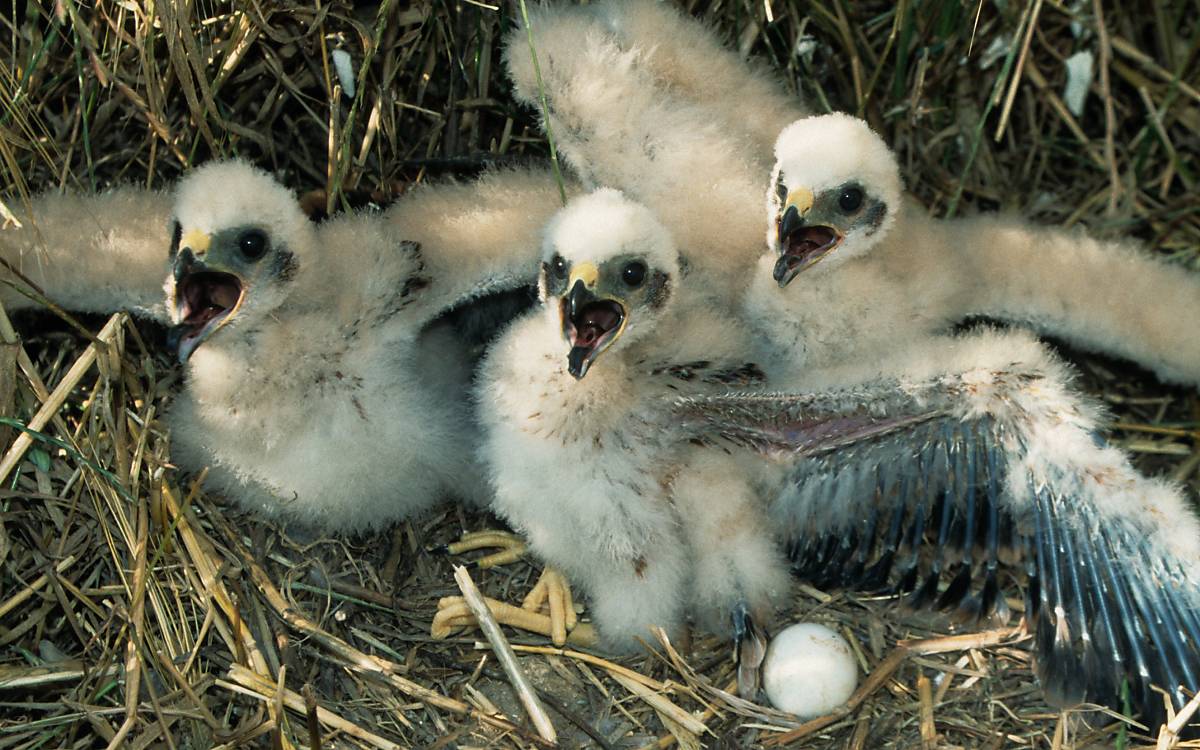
x=479, y=242
x=89, y=252
x=618, y=125
x=457, y=255
x=1087, y=291
x=932, y=490
x=687, y=57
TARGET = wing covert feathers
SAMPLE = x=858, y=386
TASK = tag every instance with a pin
x=914, y=490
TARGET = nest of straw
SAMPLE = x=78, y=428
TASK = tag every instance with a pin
x=137, y=610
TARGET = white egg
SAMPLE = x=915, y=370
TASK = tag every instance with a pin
x=809, y=670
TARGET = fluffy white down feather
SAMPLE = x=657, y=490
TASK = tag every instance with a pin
x=923, y=276
x=332, y=399
x=101, y=252
x=589, y=469
x=610, y=83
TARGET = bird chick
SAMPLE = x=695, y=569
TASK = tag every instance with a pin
x=575, y=401
x=326, y=378
x=880, y=274
x=988, y=445
x=310, y=393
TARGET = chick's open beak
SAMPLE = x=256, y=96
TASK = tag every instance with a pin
x=206, y=295
x=590, y=323
x=789, y=222
x=801, y=245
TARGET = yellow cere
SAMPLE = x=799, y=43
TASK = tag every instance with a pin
x=196, y=241
x=801, y=198
x=585, y=272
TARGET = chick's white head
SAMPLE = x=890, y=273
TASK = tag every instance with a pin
x=238, y=240
x=833, y=195
x=608, y=267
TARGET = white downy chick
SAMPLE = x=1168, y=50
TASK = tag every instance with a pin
x=867, y=271
x=576, y=401
x=639, y=100
x=323, y=384
x=982, y=430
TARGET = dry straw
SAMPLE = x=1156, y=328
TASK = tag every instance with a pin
x=133, y=614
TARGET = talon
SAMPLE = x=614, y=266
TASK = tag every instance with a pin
x=538, y=595
x=474, y=540
x=559, y=596
x=453, y=614
x=553, y=590
x=503, y=557
x=512, y=547
x=749, y=648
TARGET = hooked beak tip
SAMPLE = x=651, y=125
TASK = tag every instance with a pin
x=577, y=297
x=184, y=263
x=179, y=344
x=785, y=271
x=578, y=362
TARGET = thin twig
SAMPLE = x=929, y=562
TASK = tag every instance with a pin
x=537, y=72
x=1016, y=73
x=1110, y=117
x=254, y=685
x=504, y=653
x=23, y=595
x=375, y=666
x=59, y=395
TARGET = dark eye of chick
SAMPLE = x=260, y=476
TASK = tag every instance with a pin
x=558, y=266
x=633, y=274
x=851, y=199
x=781, y=190
x=252, y=244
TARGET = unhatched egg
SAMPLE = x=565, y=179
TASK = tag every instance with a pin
x=809, y=670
